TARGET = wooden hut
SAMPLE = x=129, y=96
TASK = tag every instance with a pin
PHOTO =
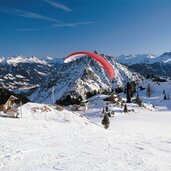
x=7, y=102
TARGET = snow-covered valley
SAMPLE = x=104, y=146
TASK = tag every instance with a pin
x=49, y=139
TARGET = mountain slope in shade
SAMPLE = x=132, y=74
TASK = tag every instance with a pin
x=148, y=64
x=24, y=72
x=36, y=77
x=79, y=77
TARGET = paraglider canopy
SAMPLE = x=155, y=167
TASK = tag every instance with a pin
x=96, y=57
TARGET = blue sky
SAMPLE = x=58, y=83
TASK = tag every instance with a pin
x=58, y=28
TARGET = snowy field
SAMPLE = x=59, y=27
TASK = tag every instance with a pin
x=47, y=139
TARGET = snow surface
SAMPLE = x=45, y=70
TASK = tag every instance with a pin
x=48, y=139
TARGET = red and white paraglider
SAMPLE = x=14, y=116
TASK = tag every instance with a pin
x=96, y=57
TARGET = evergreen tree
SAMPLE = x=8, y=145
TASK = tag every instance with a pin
x=128, y=93
x=125, y=109
x=138, y=100
x=122, y=104
x=148, y=92
x=132, y=88
x=105, y=121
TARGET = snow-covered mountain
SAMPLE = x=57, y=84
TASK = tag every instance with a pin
x=148, y=64
x=21, y=59
x=136, y=59
x=80, y=78
x=144, y=59
x=24, y=72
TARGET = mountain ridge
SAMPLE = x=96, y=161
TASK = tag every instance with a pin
x=36, y=78
x=143, y=58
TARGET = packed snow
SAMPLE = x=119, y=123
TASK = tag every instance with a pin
x=45, y=138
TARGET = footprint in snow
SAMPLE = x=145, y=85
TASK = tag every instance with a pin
x=140, y=148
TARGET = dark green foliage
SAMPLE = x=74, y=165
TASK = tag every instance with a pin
x=5, y=94
x=125, y=109
x=90, y=94
x=95, y=92
x=119, y=89
x=138, y=100
x=158, y=79
x=69, y=100
x=141, y=88
x=122, y=104
x=148, y=91
x=128, y=93
x=21, y=99
x=74, y=98
x=105, y=121
x=148, y=76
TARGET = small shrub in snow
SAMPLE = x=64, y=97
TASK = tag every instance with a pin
x=165, y=97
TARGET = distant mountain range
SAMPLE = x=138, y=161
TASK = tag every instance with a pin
x=144, y=59
x=37, y=78
x=22, y=73
x=40, y=79
x=148, y=64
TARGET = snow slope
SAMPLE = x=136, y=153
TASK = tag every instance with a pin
x=63, y=140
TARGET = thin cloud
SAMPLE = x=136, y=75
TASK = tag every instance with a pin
x=28, y=14
x=58, y=5
x=72, y=24
x=28, y=29
x=53, y=26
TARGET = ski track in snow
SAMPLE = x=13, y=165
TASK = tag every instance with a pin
x=137, y=141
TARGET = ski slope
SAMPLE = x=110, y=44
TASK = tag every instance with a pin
x=62, y=140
